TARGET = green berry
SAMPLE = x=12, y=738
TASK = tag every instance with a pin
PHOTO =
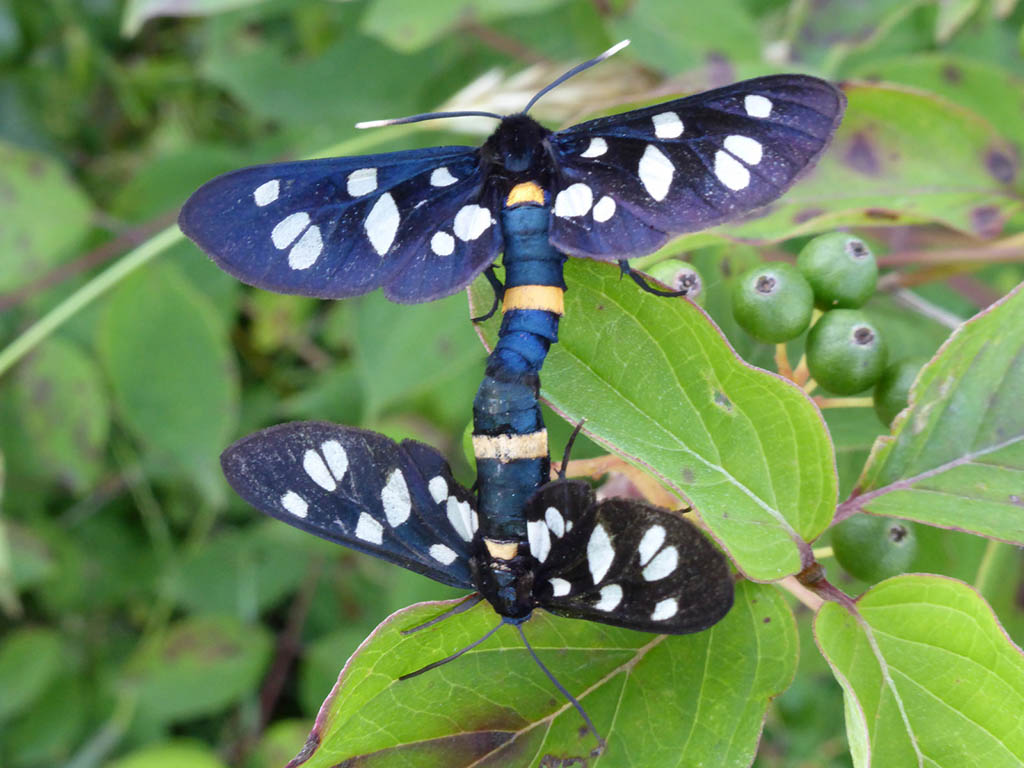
x=893, y=390
x=772, y=302
x=841, y=269
x=874, y=548
x=845, y=353
x=677, y=275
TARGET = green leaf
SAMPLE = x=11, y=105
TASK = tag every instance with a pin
x=936, y=682
x=30, y=659
x=952, y=15
x=881, y=169
x=199, y=666
x=417, y=349
x=48, y=732
x=138, y=12
x=409, y=26
x=678, y=701
x=170, y=367
x=956, y=454
x=977, y=85
x=658, y=384
x=64, y=410
x=170, y=754
x=726, y=34
x=44, y=212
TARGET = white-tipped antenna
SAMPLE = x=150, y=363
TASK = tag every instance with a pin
x=472, y=113
x=424, y=116
x=575, y=71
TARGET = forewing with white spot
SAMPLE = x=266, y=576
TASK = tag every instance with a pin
x=409, y=222
x=687, y=164
x=627, y=563
x=360, y=489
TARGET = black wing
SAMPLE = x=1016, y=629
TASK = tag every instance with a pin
x=419, y=223
x=624, y=562
x=624, y=183
x=360, y=489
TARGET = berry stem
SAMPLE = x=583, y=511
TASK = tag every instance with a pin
x=844, y=402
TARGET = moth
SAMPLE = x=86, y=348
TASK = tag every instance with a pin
x=423, y=223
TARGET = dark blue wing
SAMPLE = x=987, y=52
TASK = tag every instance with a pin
x=624, y=562
x=419, y=223
x=625, y=183
x=360, y=489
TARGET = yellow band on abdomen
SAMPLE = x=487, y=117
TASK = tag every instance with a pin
x=547, y=297
x=526, y=192
x=506, y=448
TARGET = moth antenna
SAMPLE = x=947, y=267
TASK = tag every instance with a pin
x=638, y=278
x=568, y=449
x=575, y=71
x=465, y=605
x=453, y=657
x=561, y=688
x=422, y=117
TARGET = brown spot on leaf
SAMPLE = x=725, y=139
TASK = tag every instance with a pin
x=722, y=401
x=987, y=220
x=1001, y=165
x=806, y=215
x=881, y=213
x=688, y=476
x=767, y=620
x=1015, y=499
x=952, y=74
x=862, y=155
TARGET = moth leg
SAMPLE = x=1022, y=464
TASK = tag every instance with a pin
x=499, y=294
x=465, y=605
x=639, y=279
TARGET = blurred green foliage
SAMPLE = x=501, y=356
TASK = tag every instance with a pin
x=150, y=618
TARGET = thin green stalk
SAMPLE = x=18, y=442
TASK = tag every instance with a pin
x=81, y=298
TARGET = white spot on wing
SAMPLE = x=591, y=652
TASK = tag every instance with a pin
x=599, y=553
x=438, y=489
x=655, y=172
x=574, y=200
x=441, y=177
x=294, y=504
x=395, y=498
x=611, y=596
x=651, y=543
x=471, y=221
x=540, y=539
x=596, y=148
x=666, y=609
x=442, y=244
x=317, y=470
x=381, y=224
x=361, y=182
x=731, y=171
x=337, y=459
x=267, y=192
x=757, y=106
x=667, y=125
x=442, y=554
x=289, y=228
x=555, y=521
x=745, y=148
x=304, y=253
x=460, y=518
x=662, y=565
x=604, y=209
x=369, y=529
x=560, y=587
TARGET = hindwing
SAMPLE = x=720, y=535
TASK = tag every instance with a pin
x=624, y=562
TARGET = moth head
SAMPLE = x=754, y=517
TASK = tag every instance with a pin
x=517, y=145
